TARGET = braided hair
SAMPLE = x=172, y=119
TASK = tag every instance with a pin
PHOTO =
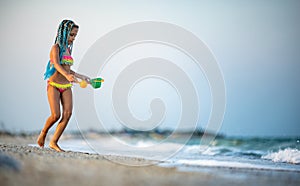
x=63, y=32
x=61, y=39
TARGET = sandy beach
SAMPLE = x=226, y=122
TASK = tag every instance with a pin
x=21, y=164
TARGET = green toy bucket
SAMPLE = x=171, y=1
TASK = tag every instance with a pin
x=96, y=82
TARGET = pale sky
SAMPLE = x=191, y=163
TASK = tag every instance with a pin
x=256, y=44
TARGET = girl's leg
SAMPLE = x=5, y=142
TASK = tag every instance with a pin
x=54, y=102
x=67, y=103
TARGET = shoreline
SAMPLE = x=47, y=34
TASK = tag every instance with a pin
x=21, y=164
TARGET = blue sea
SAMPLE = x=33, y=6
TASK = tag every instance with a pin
x=268, y=153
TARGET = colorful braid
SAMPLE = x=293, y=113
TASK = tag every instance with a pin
x=63, y=32
x=61, y=39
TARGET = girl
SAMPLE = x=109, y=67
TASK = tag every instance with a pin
x=60, y=82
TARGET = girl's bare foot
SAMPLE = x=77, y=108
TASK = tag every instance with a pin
x=41, y=139
x=54, y=146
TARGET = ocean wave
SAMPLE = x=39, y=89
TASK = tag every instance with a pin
x=226, y=151
x=286, y=155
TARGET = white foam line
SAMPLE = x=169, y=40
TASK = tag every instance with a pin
x=230, y=164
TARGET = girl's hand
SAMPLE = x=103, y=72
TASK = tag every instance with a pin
x=85, y=78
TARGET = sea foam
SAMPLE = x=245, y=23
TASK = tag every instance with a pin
x=288, y=155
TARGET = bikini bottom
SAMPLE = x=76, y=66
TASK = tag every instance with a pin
x=60, y=87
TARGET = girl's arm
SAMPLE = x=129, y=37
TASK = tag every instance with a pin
x=54, y=57
x=80, y=76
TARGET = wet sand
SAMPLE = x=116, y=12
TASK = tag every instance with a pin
x=21, y=164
